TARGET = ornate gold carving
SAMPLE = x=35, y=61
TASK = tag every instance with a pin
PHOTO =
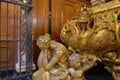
x=100, y=36
x=89, y=37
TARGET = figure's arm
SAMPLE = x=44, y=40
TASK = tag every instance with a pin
x=40, y=59
x=89, y=65
x=76, y=73
x=45, y=58
x=56, y=57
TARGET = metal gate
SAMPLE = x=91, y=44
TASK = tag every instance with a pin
x=16, y=39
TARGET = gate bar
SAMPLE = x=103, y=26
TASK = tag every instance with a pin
x=16, y=3
x=0, y=39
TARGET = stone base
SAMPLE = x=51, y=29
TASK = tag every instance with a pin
x=23, y=68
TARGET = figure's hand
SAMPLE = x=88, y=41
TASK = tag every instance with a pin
x=96, y=58
x=72, y=71
x=62, y=76
x=77, y=73
x=71, y=49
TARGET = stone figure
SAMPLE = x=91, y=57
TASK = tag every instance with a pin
x=52, y=61
x=76, y=70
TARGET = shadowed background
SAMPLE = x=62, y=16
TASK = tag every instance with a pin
x=98, y=73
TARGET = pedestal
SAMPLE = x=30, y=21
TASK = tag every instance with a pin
x=21, y=65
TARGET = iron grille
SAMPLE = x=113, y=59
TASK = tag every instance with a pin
x=16, y=39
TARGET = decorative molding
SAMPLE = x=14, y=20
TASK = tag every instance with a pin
x=95, y=2
x=23, y=67
x=84, y=1
x=106, y=6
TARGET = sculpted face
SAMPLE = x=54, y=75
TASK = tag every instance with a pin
x=43, y=41
x=74, y=60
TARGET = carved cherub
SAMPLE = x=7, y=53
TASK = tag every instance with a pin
x=76, y=71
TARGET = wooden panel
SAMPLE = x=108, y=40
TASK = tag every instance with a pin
x=69, y=10
x=57, y=19
x=36, y=52
x=35, y=20
x=8, y=55
x=62, y=10
x=5, y=54
x=40, y=25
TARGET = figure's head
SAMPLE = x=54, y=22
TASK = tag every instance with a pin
x=43, y=41
x=75, y=60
